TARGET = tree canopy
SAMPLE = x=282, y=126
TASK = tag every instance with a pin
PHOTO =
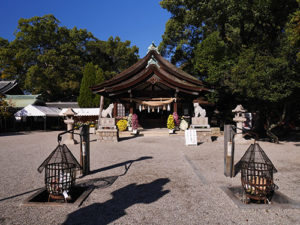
x=248, y=51
x=92, y=75
x=48, y=59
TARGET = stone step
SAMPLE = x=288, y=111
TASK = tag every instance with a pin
x=152, y=132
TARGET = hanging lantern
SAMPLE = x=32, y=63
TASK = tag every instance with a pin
x=148, y=109
x=143, y=107
x=169, y=108
x=158, y=109
x=140, y=108
x=152, y=109
x=164, y=107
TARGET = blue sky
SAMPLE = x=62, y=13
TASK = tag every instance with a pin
x=140, y=21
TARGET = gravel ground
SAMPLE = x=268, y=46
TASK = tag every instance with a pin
x=166, y=182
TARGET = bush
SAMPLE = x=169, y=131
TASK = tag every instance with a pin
x=170, y=122
x=122, y=125
x=135, y=122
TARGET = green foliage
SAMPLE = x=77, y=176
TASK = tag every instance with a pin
x=293, y=31
x=170, y=122
x=247, y=51
x=4, y=108
x=122, y=125
x=48, y=59
x=91, y=75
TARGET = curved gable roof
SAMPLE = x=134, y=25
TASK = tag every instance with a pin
x=152, y=64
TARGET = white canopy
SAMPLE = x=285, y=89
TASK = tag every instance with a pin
x=34, y=110
x=82, y=111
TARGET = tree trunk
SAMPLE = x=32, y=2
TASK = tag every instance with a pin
x=270, y=126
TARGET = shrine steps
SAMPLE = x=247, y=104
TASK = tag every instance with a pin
x=152, y=132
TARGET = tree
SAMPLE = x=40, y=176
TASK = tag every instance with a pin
x=113, y=55
x=48, y=59
x=91, y=75
x=244, y=49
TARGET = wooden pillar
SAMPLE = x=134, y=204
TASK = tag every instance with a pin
x=131, y=110
x=100, y=109
x=175, y=107
x=115, y=109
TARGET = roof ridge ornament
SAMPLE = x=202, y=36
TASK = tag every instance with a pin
x=152, y=61
x=152, y=47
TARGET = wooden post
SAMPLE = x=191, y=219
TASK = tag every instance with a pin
x=175, y=107
x=85, y=150
x=228, y=151
x=45, y=123
x=100, y=109
x=131, y=110
x=115, y=109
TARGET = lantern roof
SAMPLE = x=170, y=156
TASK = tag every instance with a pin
x=254, y=155
x=61, y=154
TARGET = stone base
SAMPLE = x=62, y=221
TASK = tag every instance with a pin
x=108, y=135
x=199, y=122
x=203, y=135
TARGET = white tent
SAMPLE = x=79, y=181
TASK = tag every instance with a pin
x=37, y=111
x=34, y=110
x=82, y=111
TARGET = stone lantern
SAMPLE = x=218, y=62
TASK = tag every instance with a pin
x=239, y=118
x=69, y=120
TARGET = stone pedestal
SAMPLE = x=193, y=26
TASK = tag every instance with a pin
x=203, y=135
x=108, y=135
x=69, y=114
x=107, y=131
x=200, y=122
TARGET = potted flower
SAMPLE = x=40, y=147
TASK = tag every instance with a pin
x=176, y=120
x=135, y=123
x=122, y=125
x=184, y=125
x=129, y=122
x=171, y=124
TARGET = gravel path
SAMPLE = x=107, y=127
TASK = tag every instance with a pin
x=166, y=182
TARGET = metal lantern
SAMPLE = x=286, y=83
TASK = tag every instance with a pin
x=60, y=172
x=257, y=174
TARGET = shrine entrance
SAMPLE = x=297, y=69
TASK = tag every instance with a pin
x=153, y=119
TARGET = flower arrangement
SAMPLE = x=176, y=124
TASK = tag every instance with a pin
x=170, y=122
x=129, y=120
x=135, y=122
x=176, y=118
x=183, y=124
x=122, y=125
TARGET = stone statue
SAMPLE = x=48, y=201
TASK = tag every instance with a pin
x=199, y=111
x=108, y=111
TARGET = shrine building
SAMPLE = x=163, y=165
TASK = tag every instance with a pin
x=152, y=88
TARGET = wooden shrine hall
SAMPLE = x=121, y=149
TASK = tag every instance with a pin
x=152, y=88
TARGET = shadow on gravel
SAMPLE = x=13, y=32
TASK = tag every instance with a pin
x=12, y=134
x=126, y=164
x=130, y=137
x=17, y=195
x=113, y=209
